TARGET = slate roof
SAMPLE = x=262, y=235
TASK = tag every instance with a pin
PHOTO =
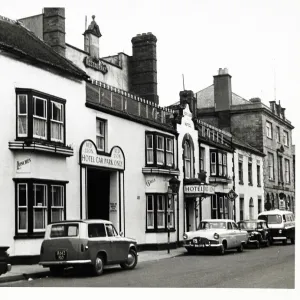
x=206, y=98
x=16, y=39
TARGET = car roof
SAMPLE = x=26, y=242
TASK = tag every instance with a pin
x=256, y=220
x=217, y=220
x=100, y=221
x=275, y=211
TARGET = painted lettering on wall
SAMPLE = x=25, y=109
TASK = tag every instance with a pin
x=89, y=156
x=199, y=189
x=99, y=66
x=22, y=163
x=23, y=166
x=150, y=181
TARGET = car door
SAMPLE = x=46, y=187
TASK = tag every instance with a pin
x=231, y=236
x=239, y=234
x=121, y=246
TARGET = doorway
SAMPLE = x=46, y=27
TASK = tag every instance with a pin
x=98, y=182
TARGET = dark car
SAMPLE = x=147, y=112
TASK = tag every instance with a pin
x=5, y=266
x=258, y=231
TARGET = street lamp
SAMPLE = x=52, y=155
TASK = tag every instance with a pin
x=173, y=188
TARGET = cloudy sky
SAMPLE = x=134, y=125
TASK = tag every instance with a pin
x=257, y=40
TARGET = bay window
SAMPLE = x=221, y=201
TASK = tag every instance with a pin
x=38, y=202
x=159, y=150
x=157, y=213
x=40, y=117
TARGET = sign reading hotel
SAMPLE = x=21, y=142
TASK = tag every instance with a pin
x=99, y=66
x=89, y=156
x=187, y=117
x=199, y=189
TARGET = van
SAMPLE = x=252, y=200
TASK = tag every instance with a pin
x=281, y=224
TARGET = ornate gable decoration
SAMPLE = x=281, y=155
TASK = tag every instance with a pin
x=187, y=117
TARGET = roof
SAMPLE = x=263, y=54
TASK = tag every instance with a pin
x=243, y=144
x=217, y=220
x=206, y=98
x=17, y=39
x=275, y=211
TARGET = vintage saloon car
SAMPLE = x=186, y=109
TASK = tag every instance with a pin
x=258, y=232
x=281, y=224
x=215, y=234
x=5, y=266
x=90, y=243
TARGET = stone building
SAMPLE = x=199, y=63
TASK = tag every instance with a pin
x=265, y=128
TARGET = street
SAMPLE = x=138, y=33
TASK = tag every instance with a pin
x=272, y=267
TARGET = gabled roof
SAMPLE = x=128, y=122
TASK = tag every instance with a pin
x=206, y=98
x=18, y=40
x=242, y=144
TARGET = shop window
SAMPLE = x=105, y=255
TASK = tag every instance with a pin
x=214, y=207
x=241, y=209
x=159, y=150
x=219, y=206
x=38, y=202
x=100, y=134
x=219, y=159
x=45, y=121
x=157, y=213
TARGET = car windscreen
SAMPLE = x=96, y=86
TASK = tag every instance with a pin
x=247, y=225
x=271, y=219
x=212, y=225
x=64, y=230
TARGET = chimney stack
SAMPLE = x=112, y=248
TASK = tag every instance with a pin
x=187, y=97
x=91, y=39
x=54, y=28
x=222, y=90
x=143, y=67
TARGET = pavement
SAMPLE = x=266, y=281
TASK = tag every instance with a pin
x=28, y=272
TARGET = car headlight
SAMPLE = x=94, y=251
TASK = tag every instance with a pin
x=280, y=231
x=216, y=236
x=185, y=236
x=195, y=241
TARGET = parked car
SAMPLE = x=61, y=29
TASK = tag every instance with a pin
x=258, y=232
x=5, y=266
x=90, y=243
x=215, y=234
x=281, y=224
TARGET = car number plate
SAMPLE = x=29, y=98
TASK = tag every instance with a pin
x=61, y=254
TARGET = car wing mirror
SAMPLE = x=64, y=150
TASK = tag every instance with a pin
x=121, y=233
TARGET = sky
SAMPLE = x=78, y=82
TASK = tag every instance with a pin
x=257, y=40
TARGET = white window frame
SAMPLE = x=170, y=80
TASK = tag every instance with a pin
x=43, y=207
x=22, y=115
x=59, y=123
x=286, y=138
x=224, y=168
x=271, y=166
x=277, y=134
x=161, y=211
x=160, y=150
x=100, y=135
x=150, y=211
x=202, y=159
x=55, y=207
x=213, y=162
x=241, y=171
x=22, y=207
x=250, y=173
x=35, y=117
x=187, y=160
x=169, y=151
x=269, y=129
x=149, y=149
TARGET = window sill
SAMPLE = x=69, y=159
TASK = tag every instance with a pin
x=159, y=170
x=219, y=179
x=41, y=147
x=26, y=236
x=159, y=230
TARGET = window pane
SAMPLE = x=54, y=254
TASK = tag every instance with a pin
x=40, y=195
x=22, y=218
x=39, y=218
x=96, y=230
x=150, y=219
x=22, y=194
x=160, y=219
x=22, y=104
x=57, y=112
x=57, y=195
x=149, y=141
x=39, y=128
x=40, y=107
x=100, y=142
x=56, y=214
x=150, y=203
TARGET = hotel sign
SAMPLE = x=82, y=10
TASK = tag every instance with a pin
x=199, y=189
x=89, y=156
x=99, y=66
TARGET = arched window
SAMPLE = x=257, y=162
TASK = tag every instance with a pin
x=251, y=209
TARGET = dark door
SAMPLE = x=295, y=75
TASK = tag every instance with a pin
x=98, y=182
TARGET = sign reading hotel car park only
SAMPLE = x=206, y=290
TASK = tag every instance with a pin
x=89, y=156
x=199, y=189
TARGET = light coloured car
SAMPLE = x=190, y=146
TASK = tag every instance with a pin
x=90, y=243
x=215, y=234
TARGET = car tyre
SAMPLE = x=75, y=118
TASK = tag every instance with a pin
x=56, y=271
x=191, y=251
x=292, y=241
x=98, y=265
x=284, y=242
x=131, y=262
x=222, y=250
x=240, y=248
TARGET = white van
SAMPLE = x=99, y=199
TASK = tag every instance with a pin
x=281, y=224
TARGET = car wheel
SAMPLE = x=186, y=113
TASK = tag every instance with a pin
x=240, y=248
x=284, y=242
x=56, y=271
x=293, y=241
x=222, y=250
x=98, y=265
x=191, y=251
x=131, y=260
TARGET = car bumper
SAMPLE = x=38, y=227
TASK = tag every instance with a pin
x=279, y=238
x=64, y=263
x=202, y=246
